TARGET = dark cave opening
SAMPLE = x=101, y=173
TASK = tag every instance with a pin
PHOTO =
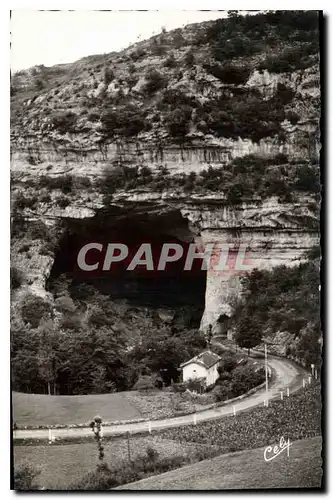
x=172, y=287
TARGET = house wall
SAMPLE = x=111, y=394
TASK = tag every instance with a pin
x=212, y=375
x=189, y=373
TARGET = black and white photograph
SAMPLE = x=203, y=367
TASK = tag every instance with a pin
x=166, y=225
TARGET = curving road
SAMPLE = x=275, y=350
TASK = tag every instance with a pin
x=287, y=374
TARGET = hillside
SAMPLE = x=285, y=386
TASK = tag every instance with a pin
x=245, y=77
x=244, y=470
x=208, y=135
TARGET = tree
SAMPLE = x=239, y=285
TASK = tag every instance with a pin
x=33, y=309
x=248, y=333
x=48, y=354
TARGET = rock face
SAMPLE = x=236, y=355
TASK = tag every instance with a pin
x=256, y=234
x=49, y=141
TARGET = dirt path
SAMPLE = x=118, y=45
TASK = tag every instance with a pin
x=287, y=375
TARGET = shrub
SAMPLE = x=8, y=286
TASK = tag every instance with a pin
x=189, y=58
x=177, y=122
x=137, y=54
x=16, y=278
x=154, y=81
x=62, y=182
x=64, y=122
x=108, y=76
x=33, y=309
x=63, y=201
x=25, y=477
x=229, y=73
x=170, y=61
x=21, y=201
x=127, y=121
x=307, y=179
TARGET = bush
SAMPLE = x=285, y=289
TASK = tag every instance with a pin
x=307, y=178
x=64, y=122
x=16, y=278
x=62, y=182
x=25, y=477
x=154, y=81
x=170, y=61
x=177, y=121
x=127, y=121
x=33, y=309
x=229, y=73
x=108, y=76
x=189, y=58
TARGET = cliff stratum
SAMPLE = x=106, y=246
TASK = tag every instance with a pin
x=208, y=133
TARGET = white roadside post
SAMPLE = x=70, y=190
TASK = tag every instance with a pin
x=287, y=392
x=149, y=427
x=316, y=374
x=195, y=419
x=312, y=368
x=303, y=383
x=281, y=395
x=234, y=410
x=50, y=436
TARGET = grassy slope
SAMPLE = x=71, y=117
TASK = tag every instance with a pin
x=245, y=470
x=39, y=409
x=66, y=464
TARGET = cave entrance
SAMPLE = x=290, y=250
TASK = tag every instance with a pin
x=173, y=288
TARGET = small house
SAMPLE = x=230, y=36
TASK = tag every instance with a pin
x=203, y=367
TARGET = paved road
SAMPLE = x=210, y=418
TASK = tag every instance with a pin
x=286, y=375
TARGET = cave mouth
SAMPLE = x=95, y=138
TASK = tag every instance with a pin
x=171, y=288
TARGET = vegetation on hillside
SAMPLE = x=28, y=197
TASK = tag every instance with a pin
x=243, y=178
x=297, y=417
x=284, y=299
x=124, y=95
x=89, y=344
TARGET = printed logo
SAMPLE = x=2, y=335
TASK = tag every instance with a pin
x=272, y=452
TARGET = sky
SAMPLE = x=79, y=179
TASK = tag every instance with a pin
x=55, y=37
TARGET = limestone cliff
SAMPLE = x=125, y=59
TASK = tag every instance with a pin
x=50, y=142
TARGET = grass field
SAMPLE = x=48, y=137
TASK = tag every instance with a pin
x=245, y=470
x=40, y=409
x=62, y=465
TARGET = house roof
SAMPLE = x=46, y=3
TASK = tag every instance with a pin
x=206, y=359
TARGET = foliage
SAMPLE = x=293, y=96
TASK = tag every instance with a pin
x=16, y=278
x=297, y=417
x=229, y=73
x=248, y=332
x=242, y=178
x=105, y=477
x=241, y=36
x=177, y=121
x=64, y=122
x=291, y=59
x=25, y=477
x=33, y=309
x=108, y=76
x=283, y=299
x=127, y=120
x=154, y=81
